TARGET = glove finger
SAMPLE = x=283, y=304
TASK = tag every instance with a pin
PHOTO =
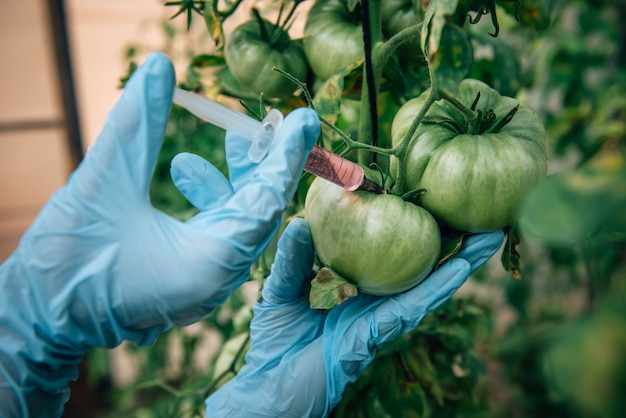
x=403, y=312
x=479, y=248
x=126, y=149
x=355, y=329
x=257, y=205
x=292, y=266
x=406, y=309
x=283, y=318
x=199, y=181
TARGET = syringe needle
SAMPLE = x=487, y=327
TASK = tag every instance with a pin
x=338, y=170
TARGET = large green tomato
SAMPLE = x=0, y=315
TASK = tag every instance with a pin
x=251, y=54
x=399, y=14
x=378, y=241
x=333, y=38
x=474, y=181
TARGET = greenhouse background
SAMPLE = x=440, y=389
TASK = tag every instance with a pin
x=551, y=344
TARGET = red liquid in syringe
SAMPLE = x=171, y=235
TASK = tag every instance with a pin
x=338, y=170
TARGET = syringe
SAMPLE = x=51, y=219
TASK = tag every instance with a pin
x=320, y=162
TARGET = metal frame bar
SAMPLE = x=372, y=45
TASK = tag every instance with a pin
x=58, y=24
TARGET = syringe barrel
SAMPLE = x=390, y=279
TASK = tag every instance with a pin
x=334, y=168
x=220, y=115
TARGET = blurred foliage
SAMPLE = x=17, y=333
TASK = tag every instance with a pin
x=552, y=344
x=434, y=371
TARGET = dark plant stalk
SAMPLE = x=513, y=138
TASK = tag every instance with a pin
x=372, y=83
x=372, y=36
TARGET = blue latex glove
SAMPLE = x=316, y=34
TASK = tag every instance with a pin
x=100, y=265
x=301, y=360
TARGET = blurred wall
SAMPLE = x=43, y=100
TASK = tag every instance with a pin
x=33, y=158
x=34, y=153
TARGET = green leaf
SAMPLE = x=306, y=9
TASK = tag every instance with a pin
x=327, y=101
x=532, y=13
x=422, y=368
x=452, y=60
x=207, y=60
x=227, y=84
x=213, y=22
x=328, y=289
x=435, y=19
x=352, y=4
x=132, y=67
x=503, y=70
x=587, y=365
x=450, y=245
x=511, y=258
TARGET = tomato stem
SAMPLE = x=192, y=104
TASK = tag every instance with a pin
x=400, y=150
x=377, y=55
x=384, y=53
x=470, y=114
x=300, y=84
x=350, y=143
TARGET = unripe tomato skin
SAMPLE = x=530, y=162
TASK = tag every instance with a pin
x=333, y=38
x=378, y=241
x=474, y=182
x=250, y=59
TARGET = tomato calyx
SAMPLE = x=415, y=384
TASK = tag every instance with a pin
x=496, y=127
x=274, y=34
x=489, y=123
x=482, y=124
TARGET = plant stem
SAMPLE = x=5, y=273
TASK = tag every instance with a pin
x=372, y=37
x=377, y=55
x=386, y=50
x=301, y=85
x=400, y=150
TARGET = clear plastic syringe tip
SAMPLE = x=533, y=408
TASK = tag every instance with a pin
x=270, y=125
x=260, y=134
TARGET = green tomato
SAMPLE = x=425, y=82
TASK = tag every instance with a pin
x=399, y=14
x=474, y=181
x=378, y=241
x=333, y=38
x=251, y=53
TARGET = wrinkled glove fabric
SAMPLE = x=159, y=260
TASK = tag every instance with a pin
x=100, y=265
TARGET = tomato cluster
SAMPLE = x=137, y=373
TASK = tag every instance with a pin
x=471, y=177
x=465, y=167
x=332, y=40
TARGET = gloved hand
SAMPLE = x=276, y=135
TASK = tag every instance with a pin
x=301, y=360
x=100, y=265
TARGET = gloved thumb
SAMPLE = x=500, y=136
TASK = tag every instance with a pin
x=292, y=266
